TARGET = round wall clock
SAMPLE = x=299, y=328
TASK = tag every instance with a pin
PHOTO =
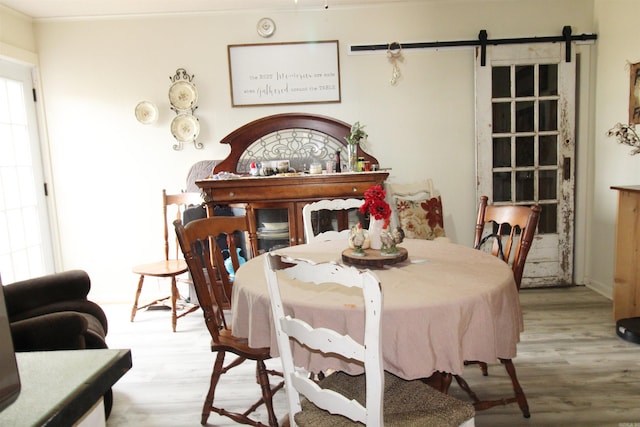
x=266, y=27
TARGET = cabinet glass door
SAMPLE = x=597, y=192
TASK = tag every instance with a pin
x=273, y=230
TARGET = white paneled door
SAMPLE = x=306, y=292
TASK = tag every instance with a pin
x=25, y=242
x=525, y=130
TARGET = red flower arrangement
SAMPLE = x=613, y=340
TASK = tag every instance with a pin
x=375, y=205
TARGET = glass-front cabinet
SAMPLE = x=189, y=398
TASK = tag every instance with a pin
x=272, y=226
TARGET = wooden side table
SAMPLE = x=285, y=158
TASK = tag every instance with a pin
x=626, y=290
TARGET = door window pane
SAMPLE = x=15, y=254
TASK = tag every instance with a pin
x=548, y=80
x=548, y=115
x=524, y=81
x=548, y=219
x=502, y=186
x=500, y=82
x=548, y=151
x=501, y=117
x=501, y=152
x=547, y=184
x=524, y=151
x=525, y=115
x=524, y=186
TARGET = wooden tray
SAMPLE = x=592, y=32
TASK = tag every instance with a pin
x=373, y=258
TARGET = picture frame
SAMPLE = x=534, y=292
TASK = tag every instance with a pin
x=634, y=93
x=284, y=73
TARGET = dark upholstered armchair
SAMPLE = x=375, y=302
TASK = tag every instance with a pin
x=53, y=313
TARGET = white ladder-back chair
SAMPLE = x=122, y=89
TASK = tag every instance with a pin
x=331, y=205
x=341, y=399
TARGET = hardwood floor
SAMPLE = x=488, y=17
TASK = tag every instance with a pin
x=572, y=366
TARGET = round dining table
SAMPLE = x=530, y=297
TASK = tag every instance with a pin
x=445, y=304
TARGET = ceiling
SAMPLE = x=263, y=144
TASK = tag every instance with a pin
x=44, y=9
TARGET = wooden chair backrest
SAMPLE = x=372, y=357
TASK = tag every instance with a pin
x=204, y=257
x=180, y=201
x=516, y=226
x=332, y=205
x=328, y=341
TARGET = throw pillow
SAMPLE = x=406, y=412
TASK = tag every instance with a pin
x=420, y=218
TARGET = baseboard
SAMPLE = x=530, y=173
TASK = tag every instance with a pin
x=601, y=288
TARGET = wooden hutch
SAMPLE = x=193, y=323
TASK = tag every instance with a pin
x=301, y=139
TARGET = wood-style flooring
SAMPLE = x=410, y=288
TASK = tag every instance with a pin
x=571, y=364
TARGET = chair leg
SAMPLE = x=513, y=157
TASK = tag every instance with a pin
x=465, y=386
x=267, y=393
x=483, y=366
x=441, y=381
x=134, y=310
x=174, y=299
x=520, y=397
x=215, y=377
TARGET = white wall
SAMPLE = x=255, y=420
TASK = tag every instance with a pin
x=613, y=165
x=108, y=170
x=17, y=40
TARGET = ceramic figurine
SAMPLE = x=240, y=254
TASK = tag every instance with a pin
x=358, y=239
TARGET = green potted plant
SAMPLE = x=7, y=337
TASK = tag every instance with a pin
x=355, y=137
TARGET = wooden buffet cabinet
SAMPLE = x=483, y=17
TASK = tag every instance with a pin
x=626, y=291
x=281, y=199
x=301, y=139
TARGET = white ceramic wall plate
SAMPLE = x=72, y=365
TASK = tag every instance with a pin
x=146, y=112
x=185, y=127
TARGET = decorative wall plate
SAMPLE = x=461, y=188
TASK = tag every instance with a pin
x=183, y=95
x=146, y=112
x=185, y=128
x=266, y=27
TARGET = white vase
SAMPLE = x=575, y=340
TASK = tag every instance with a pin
x=375, y=228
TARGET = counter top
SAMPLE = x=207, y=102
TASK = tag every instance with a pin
x=59, y=387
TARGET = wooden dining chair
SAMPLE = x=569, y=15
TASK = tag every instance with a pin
x=375, y=398
x=204, y=256
x=514, y=225
x=507, y=231
x=318, y=226
x=172, y=266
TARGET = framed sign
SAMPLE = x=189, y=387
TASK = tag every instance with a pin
x=284, y=73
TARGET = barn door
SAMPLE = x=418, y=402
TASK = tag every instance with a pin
x=525, y=130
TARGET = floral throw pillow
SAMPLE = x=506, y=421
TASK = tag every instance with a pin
x=420, y=218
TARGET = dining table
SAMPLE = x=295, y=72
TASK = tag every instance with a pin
x=445, y=304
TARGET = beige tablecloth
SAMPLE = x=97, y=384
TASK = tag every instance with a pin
x=446, y=304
